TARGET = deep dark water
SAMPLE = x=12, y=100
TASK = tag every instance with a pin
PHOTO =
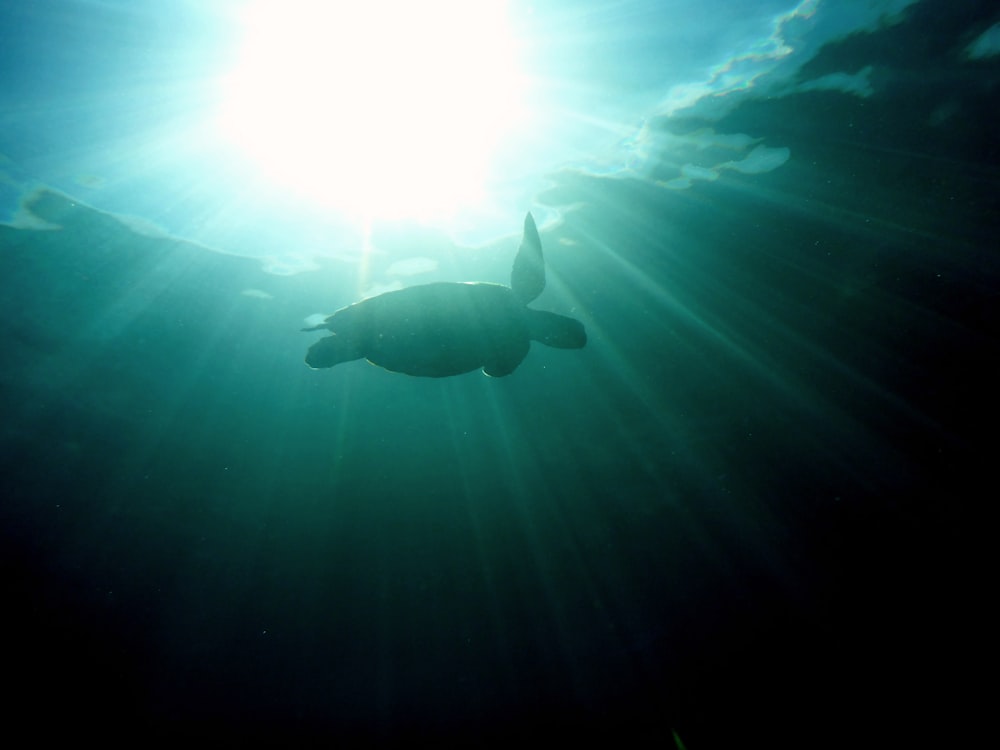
x=746, y=511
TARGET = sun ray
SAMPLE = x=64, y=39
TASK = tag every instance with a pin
x=379, y=109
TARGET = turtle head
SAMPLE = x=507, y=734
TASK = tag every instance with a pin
x=332, y=350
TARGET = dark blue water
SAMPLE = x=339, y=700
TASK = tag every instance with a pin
x=743, y=512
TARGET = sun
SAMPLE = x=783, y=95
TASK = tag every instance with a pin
x=375, y=108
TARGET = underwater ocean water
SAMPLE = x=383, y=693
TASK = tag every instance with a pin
x=745, y=511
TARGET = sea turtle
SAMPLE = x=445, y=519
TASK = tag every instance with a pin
x=441, y=329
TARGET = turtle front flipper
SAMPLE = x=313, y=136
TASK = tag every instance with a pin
x=332, y=350
x=505, y=362
x=527, y=277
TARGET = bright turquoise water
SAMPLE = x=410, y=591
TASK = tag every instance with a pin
x=747, y=492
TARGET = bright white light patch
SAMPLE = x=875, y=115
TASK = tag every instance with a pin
x=257, y=293
x=375, y=108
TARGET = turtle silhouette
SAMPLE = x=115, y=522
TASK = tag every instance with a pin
x=449, y=328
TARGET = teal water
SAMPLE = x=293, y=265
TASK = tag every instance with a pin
x=743, y=511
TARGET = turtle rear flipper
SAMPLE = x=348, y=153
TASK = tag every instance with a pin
x=556, y=330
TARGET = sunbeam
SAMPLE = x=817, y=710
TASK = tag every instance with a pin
x=382, y=109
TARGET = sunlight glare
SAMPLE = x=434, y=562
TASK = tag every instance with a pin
x=376, y=108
